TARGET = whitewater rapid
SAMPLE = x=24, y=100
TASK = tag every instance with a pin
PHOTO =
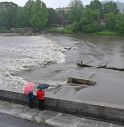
x=18, y=53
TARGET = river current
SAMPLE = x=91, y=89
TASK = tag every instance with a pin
x=19, y=53
x=53, y=58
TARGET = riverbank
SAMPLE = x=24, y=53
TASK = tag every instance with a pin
x=69, y=31
x=61, y=30
x=108, y=33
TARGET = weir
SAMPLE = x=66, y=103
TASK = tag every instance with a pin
x=101, y=66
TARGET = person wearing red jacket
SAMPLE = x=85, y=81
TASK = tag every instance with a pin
x=41, y=98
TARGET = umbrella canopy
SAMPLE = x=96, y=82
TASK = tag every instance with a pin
x=28, y=88
x=43, y=86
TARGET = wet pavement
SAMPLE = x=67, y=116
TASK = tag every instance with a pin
x=16, y=115
x=92, y=50
x=10, y=121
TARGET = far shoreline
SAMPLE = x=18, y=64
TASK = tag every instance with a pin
x=58, y=31
x=67, y=31
x=19, y=34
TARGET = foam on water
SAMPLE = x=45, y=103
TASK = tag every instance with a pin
x=22, y=53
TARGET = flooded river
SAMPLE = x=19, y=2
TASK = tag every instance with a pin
x=92, y=50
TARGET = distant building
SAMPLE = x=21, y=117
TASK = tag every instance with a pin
x=62, y=16
x=65, y=9
x=120, y=6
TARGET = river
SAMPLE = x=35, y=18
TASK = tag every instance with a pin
x=92, y=50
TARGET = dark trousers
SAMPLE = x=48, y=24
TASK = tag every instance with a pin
x=41, y=104
x=31, y=103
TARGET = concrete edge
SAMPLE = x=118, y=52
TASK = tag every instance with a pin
x=112, y=114
x=28, y=119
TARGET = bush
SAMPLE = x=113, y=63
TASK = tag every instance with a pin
x=75, y=27
x=4, y=30
x=120, y=24
x=88, y=25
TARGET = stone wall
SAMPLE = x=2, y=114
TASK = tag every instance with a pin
x=113, y=113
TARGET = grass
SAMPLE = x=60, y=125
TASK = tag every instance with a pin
x=4, y=30
x=106, y=32
x=67, y=30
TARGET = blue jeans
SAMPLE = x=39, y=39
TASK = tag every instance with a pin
x=31, y=103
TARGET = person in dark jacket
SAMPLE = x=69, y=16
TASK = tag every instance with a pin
x=31, y=99
x=41, y=98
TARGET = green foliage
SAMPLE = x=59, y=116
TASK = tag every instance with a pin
x=39, y=14
x=8, y=14
x=89, y=28
x=44, y=14
x=28, y=11
x=76, y=11
x=89, y=19
x=33, y=14
x=85, y=20
x=120, y=24
x=4, y=30
x=95, y=5
x=89, y=23
x=94, y=17
x=67, y=30
x=110, y=7
x=75, y=27
x=107, y=32
x=52, y=16
x=22, y=18
x=110, y=20
x=29, y=5
x=24, y=15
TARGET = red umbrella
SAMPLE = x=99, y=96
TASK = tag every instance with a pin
x=28, y=88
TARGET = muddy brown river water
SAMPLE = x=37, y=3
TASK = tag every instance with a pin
x=92, y=50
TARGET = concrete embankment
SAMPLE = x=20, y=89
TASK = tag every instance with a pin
x=112, y=113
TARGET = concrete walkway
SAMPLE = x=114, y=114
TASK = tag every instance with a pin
x=51, y=118
x=10, y=121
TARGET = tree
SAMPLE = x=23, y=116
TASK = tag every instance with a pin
x=8, y=14
x=28, y=11
x=110, y=21
x=120, y=24
x=90, y=21
x=24, y=14
x=29, y=4
x=44, y=11
x=95, y=5
x=76, y=11
x=52, y=16
x=39, y=15
x=110, y=7
x=22, y=19
x=75, y=27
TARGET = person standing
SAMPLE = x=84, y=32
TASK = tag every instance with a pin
x=41, y=98
x=31, y=99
